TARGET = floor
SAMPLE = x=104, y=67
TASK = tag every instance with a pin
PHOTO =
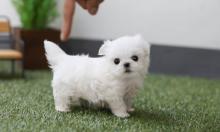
x=164, y=104
x=164, y=59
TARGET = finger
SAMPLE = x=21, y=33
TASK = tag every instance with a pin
x=69, y=9
x=82, y=3
x=92, y=6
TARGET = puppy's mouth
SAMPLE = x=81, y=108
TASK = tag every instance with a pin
x=128, y=71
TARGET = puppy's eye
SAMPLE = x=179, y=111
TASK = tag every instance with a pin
x=116, y=61
x=134, y=58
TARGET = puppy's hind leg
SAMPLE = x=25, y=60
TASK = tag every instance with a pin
x=62, y=96
x=62, y=103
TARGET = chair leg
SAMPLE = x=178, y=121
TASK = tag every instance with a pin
x=22, y=68
x=12, y=67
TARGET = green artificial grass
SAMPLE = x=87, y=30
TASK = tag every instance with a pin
x=166, y=103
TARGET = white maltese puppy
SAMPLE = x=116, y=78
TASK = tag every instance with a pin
x=112, y=79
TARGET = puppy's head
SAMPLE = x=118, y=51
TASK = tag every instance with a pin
x=126, y=56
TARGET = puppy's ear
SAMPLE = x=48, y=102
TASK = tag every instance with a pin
x=138, y=36
x=145, y=45
x=104, y=47
x=147, y=48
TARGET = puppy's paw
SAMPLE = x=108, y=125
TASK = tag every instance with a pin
x=130, y=109
x=122, y=114
x=62, y=109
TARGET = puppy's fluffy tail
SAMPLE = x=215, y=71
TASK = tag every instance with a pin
x=53, y=53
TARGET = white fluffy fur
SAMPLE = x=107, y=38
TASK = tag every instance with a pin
x=99, y=80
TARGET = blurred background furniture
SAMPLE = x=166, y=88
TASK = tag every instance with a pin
x=10, y=48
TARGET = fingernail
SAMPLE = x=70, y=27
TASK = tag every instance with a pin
x=62, y=37
x=93, y=11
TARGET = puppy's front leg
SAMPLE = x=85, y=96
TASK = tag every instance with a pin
x=118, y=107
x=128, y=97
x=128, y=101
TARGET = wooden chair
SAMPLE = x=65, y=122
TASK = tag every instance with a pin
x=8, y=45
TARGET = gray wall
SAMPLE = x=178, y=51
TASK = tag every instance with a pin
x=188, y=23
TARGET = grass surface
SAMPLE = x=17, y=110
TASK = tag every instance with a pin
x=167, y=103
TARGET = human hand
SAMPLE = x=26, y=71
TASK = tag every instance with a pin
x=69, y=9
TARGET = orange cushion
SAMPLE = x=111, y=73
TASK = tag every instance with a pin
x=4, y=26
x=10, y=54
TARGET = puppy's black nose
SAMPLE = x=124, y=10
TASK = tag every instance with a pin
x=126, y=65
